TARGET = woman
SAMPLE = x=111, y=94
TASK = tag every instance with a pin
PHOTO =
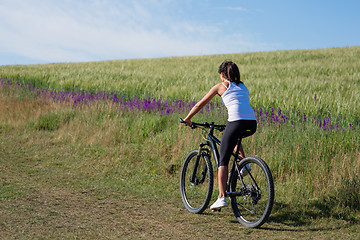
x=235, y=96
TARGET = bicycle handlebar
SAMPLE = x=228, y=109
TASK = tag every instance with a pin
x=205, y=125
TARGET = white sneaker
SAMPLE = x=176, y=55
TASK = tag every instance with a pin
x=220, y=203
x=245, y=170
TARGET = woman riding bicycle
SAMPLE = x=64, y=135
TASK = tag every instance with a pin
x=235, y=96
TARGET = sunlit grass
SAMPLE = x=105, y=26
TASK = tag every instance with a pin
x=275, y=79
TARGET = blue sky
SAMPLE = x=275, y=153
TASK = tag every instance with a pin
x=50, y=31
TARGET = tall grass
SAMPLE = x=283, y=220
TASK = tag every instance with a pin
x=275, y=79
x=314, y=167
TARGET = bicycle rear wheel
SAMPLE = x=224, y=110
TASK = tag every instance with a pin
x=196, y=182
x=256, y=186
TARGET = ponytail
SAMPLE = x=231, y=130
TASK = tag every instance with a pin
x=231, y=71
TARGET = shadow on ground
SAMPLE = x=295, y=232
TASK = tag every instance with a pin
x=306, y=215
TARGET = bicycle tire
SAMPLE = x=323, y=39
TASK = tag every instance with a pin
x=253, y=208
x=196, y=195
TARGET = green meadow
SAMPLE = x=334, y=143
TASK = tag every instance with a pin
x=52, y=150
x=277, y=79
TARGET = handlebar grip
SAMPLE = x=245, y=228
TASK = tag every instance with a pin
x=193, y=125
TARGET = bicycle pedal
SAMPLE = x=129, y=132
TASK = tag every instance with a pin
x=216, y=210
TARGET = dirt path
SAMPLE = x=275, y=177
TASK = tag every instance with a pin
x=57, y=213
x=60, y=213
x=53, y=213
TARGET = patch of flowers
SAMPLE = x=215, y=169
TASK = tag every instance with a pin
x=79, y=98
x=276, y=117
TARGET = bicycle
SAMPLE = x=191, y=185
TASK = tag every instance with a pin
x=250, y=184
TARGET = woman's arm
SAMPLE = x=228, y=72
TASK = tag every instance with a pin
x=198, y=106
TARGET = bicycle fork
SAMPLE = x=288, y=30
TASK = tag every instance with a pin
x=193, y=178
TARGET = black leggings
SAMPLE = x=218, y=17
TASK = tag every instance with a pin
x=231, y=136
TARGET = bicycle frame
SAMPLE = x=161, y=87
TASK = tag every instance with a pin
x=212, y=142
x=198, y=169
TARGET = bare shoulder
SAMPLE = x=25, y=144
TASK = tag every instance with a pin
x=221, y=88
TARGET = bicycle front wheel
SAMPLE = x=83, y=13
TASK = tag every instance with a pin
x=255, y=186
x=196, y=182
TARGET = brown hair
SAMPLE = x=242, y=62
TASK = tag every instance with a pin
x=231, y=71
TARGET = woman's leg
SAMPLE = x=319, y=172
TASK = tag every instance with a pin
x=222, y=176
x=241, y=151
x=223, y=172
x=222, y=180
x=228, y=143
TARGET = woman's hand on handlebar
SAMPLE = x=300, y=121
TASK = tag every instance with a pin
x=186, y=121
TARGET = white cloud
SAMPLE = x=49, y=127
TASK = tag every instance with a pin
x=236, y=9
x=61, y=31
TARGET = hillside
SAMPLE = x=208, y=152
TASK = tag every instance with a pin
x=85, y=148
x=275, y=79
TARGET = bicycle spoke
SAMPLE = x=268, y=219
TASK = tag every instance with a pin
x=255, y=205
x=195, y=191
x=196, y=182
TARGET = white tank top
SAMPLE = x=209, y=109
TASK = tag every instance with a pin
x=236, y=100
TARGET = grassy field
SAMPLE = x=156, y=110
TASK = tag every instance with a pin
x=76, y=170
x=277, y=79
